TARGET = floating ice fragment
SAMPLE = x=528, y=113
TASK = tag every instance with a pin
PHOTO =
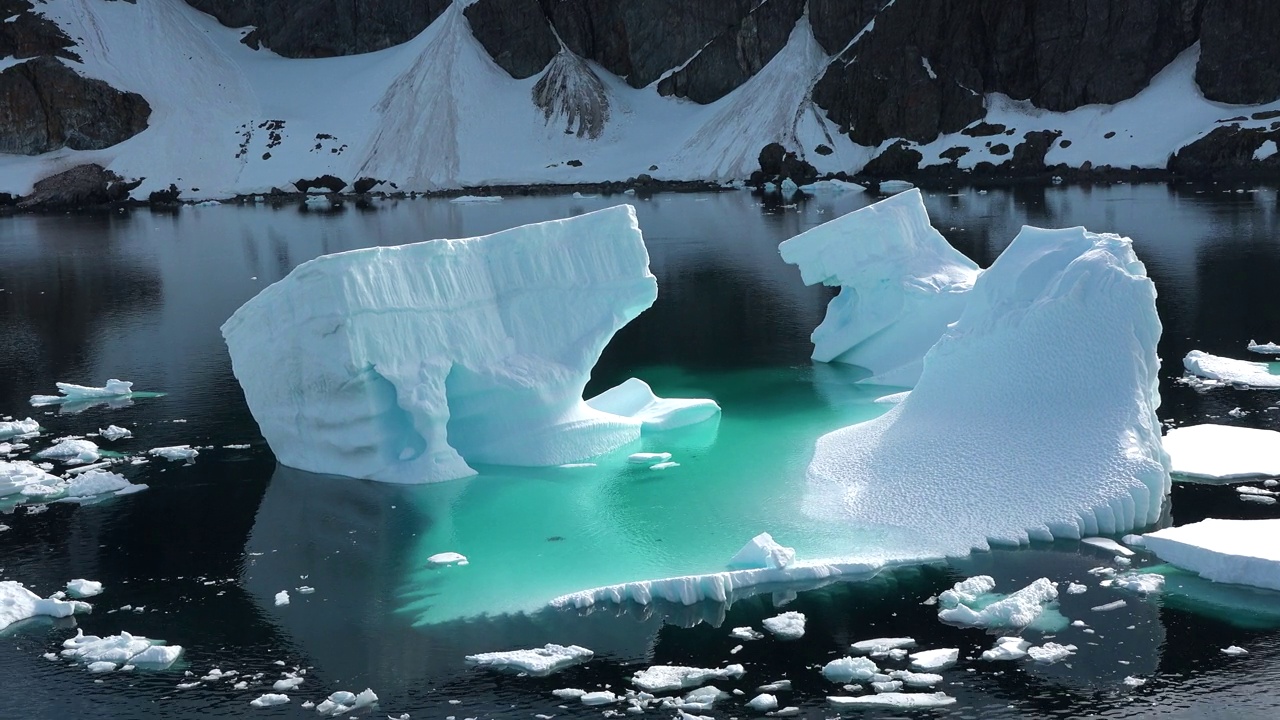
x=114, y=432
x=175, y=453
x=569, y=693
x=644, y=458
x=1134, y=682
x=1223, y=452
x=894, y=700
x=1076, y=589
x=1050, y=652
x=1245, y=552
x=934, y=659
x=915, y=679
x=849, y=669
x=1264, y=348
x=18, y=428
x=763, y=702
x=1234, y=650
x=634, y=399
x=1007, y=648
x=1110, y=606
x=305, y=590
x=877, y=646
x=960, y=605
x=832, y=186
x=287, y=684
x=18, y=603
x=1108, y=544
x=282, y=598
x=538, y=662
x=1227, y=370
x=101, y=666
x=465, y=199
x=447, y=558
x=72, y=451
x=762, y=551
x=269, y=699
x=664, y=465
x=600, y=697
x=746, y=633
x=787, y=626
x=901, y=285
x=81, y=588
x=1143, y=583
x=96, y=482
x=664, y=678
x=514, y=321
x=75, y=393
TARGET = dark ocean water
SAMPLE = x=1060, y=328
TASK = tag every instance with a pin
x=140, y=296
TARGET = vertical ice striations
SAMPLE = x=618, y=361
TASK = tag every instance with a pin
x=1034, y=417
x=900, y=282
x=404, y=364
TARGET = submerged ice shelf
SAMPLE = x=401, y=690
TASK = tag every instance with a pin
x=411, y=364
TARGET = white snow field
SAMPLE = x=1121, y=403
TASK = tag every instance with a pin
x=407, y=364
x=257, y=115
x=1223, y=452
x=901, y=285
x=538, y=662
x=17, y=603
x=1243, y=552
x=1050, y=373
x=1228, y=370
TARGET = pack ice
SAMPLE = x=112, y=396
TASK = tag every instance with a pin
x=406, y=364
x=1035, y=414
x=900, y=283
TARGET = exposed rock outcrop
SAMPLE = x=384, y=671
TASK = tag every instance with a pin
x=81, y=186
x=570, y=93
x=45, y=105
x=28, y=34
x=515, y=33
x=1233, y=149
x=1239, y=55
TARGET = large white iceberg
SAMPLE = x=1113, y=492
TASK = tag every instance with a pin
x=900, y=283
x=1228, y=370
x=1223, y=452
x=1244, y=552
x=406, y=364
x=1034, y=417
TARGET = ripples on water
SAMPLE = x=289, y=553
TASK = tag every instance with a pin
x=140, y=295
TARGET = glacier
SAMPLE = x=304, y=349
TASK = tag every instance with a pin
x=901, y=285
x=407, y=364
x=1034, y=416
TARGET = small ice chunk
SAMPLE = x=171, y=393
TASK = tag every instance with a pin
x=446, y=558
x=893, y=700
x=569, y=693
x=787, y=626
x=1007, y=648
x=788, y=711
x=774, y=687
x=1143, y=583
x=287, y=684
x=849, y=669
x=1134, y=682
x=634, y=399
x=764, y=702
x=101, y=666
x=1110, y=606
x=269, y=699
x=175, y=453
x=1234, y=650
x=158, y=656
x=648, y=458
x=282, y=598
x=81, y=588
x=934, y=659
x=915, y=679
x=114, y=432
x=882, y=645
x=600, y=697
x=1019, y=609
x=72, y=451
x=305, y=590
x=1268, y=348
x=967, y=591
x=664, y=465
x=762, y=551
x=746, y=633
x=18, y=428
x=466, y=199
x=887, y=686
x=664, y=678
x=1076, y=588
x=1259, y=499
x=72, y=393
x=538, y=662
x=1110, y=545
x=1050, y=652
x=96, y=482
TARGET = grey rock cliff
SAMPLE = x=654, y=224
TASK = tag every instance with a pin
x=45, y=105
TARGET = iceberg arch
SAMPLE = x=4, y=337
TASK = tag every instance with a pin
x=405, y=364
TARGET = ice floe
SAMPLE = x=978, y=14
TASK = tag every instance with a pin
x=1244, y=552
x=77, y=393
x=762, y=551
x=1268, y=348
x=893, y=700
x=114, y=432
x=1052, y=359
x=635, y=399
x=1007, y=648
x=81, y=588
x=541, y=661
x=1223, y=452
x=447, y=558
x=269, y=700
x=1227, y=370
x=764, y=702
x=746, y=633
x=935, y=659
x=665, y=678
x=850, y=669
x=175, y=453
x=1108, y=544
x=515, y=321
x=121, y=649
x=787, y=626
x=880, y=646
x=1141, y=583
x=972, y=603
x=1234, y=650
x=71, y=451
x=18, y=428
x=343, y=702
x=900, y=283
x=1050, y=652
x=17, y=603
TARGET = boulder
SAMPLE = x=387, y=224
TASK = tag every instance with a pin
x=81, y=186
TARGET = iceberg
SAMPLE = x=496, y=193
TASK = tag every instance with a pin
x=114, y=432
x=1007, y=648
x=1244, y=552
x=762, y=551
x=635, y=399
x=81, y=588
x=79, y=393
x=1264, y=348
x=121, y=649
x=72, y=451
x=17, y=603
x=1017, y=610
x=407, y=364
x=901, y=285
x=1237, y=372
x=665, y=678
x=18, y=428
x=849, y=669
x=787, y=626
x=1049, y=373
x=537, y=662
x=1223, y=452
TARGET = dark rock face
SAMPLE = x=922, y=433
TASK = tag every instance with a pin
x=778, y=164
x=837, y=22
x=324, y=28
x=81, y=186
x=30, y=34
x=1239, y=55
x=571, y=93
x=326, y=182
x=45, y=105
x=897, y=160
x=921, y=70
x=734, y=56
x=516, y=34
x=1230, y=148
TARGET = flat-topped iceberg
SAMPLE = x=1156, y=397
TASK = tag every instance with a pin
x=1244, y=552
x=406, y=364
x=900, y=283
x=537, y=661
x=1227, y=370
x=1034, y=417
x=1223, y=452
x=635, y=399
